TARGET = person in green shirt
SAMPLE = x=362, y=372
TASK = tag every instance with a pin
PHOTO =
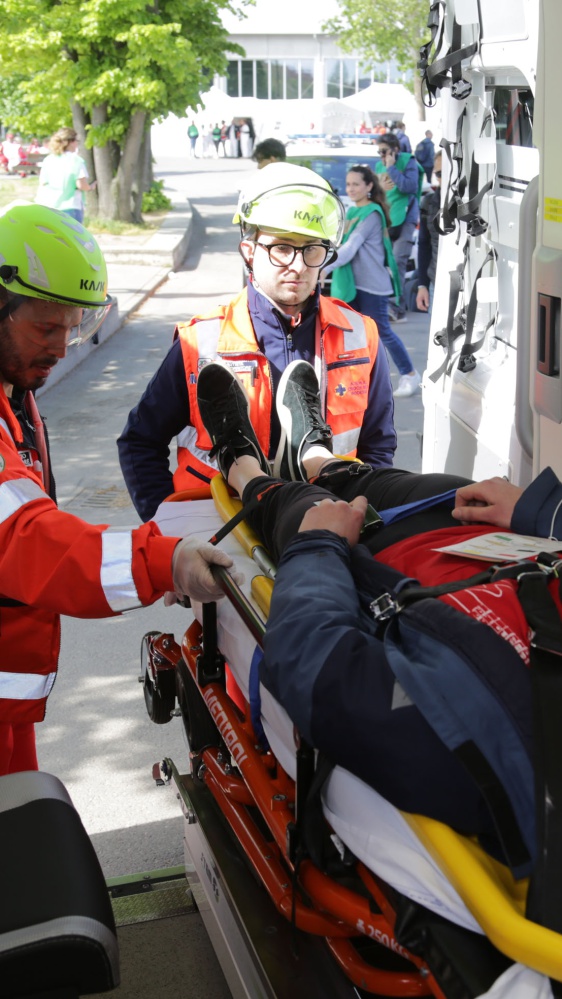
x=365, y=274
x=64, y=177
x=193, y=135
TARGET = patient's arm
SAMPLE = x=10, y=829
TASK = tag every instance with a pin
x=345, y=519
x=489, y=502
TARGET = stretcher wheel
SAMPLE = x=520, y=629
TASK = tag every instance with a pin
x=200, y=728
x=160, y=698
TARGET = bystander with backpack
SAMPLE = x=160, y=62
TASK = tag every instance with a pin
x=425, y=154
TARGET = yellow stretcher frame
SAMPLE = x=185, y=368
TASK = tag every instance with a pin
x=488, y=889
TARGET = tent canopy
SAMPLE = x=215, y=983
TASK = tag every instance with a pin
x=383, y=100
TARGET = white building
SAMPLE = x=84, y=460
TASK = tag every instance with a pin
x=292, y=69
x=295, y=79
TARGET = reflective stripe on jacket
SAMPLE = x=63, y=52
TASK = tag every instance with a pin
x=348, y=350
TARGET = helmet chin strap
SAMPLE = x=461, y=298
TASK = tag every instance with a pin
x=10, y=307
x=247, y=265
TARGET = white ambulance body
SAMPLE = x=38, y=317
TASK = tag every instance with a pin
x=492, y=387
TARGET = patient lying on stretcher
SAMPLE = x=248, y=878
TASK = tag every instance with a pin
x=323, y=660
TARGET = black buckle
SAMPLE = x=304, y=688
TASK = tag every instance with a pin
x=384, y=607
x=461, y=89
x=477, y=226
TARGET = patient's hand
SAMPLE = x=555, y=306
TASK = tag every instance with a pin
x=488, y=502
x=345, y=519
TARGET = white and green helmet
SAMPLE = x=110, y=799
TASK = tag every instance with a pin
x=284, y=197
x=47, y=254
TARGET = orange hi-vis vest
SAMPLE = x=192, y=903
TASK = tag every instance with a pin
x=347, y=345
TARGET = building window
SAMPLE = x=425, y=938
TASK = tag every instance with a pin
x=307, y=78
x=232, y=86
x=290, y=79
x=262, y=79
x=247, y=66
x=276, y=90
x=348, y=77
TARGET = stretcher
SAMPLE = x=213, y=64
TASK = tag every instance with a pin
x=414, y=908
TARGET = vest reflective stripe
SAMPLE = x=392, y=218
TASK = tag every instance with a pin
x=356, y=337
x=207, y=332
x=188, y=439
x=116, y=571
x=5, y=427
x=15, y=493
x=346, y=443
x=25, y=686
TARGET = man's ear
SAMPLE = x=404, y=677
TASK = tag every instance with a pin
x=246, y=249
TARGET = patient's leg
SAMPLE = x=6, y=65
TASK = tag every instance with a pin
x=281, y=506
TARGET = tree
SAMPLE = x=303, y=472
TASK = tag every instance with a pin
x=114, y=67
x=381, y=31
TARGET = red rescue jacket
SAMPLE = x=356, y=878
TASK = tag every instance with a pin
x=54, y=563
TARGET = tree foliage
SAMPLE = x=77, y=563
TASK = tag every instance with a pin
x=382, y=30
x=112, y=67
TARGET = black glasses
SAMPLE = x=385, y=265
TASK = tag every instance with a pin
x=384, y=150
x=283, y=254
x=437, y=173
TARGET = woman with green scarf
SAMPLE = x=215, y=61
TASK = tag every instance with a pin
x=365, y=274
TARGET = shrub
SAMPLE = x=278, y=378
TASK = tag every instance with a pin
x=154, y=200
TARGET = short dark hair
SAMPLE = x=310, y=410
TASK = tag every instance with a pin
x=389, y=139
x=268, y=148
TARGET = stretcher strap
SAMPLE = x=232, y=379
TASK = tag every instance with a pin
x=242, y=514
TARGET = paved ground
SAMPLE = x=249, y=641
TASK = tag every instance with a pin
x=97, y=737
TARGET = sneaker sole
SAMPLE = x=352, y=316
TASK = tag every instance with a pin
x=222, y=364
x=286, y=421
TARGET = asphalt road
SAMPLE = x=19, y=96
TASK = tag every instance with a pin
x=97, y=737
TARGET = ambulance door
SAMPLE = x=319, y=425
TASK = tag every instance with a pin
x=546, y=287
x=489, y=168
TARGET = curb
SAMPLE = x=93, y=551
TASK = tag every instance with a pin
x=163, y=252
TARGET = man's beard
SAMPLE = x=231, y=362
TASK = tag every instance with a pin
x=13, y=369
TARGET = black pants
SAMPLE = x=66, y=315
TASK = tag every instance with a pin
x=281, y=510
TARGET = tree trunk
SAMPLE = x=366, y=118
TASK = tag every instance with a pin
x=79, y=122
x=103, y=160
x=143, y=174
x=127, y=166
x=418, y=95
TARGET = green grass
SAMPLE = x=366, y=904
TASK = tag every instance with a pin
x=17, y=188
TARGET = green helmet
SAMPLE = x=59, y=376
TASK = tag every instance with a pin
x=49, y=255
x=284, y=197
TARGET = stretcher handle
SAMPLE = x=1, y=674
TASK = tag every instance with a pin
x=240, y=602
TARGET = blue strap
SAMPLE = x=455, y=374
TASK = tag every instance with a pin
x=255, y=699
x=396, y=513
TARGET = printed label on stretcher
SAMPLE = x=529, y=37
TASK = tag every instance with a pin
x=502, y=546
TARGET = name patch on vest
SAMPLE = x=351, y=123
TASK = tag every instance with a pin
x=245, y=368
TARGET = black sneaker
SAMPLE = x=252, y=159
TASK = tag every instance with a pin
x=224, y=408
x=302, y=423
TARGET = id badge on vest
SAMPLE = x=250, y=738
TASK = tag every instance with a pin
x=246, y=369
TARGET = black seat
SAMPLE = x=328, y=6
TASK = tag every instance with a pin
x=57, y=932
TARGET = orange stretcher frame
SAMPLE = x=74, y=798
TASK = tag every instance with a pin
x=488, y=889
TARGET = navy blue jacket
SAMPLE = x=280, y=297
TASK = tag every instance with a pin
x=326, y=665
x=163, y=410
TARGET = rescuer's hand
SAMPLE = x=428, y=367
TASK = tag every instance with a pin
x=191, y=570
x=488, y=502
x=345, y=519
